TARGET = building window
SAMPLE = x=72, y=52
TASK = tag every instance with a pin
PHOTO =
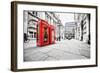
x=84, y=27
x=84, y=32
x=52, y=22
x=49, y=19
x=30, y=32
x=46, y=17
x=34, y=34
x=34, y=13
x=84, y=23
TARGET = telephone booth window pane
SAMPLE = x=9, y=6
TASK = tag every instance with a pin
x=52, y=35
x=45, y=34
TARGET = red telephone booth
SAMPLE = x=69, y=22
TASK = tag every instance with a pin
x=42, y=33
x=52, y=34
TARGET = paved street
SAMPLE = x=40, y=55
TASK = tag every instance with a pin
x=63, y=50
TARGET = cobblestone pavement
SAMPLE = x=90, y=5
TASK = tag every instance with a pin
x=63, y=50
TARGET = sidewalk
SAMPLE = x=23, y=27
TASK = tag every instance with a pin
x=63, y=50
x=29, y=44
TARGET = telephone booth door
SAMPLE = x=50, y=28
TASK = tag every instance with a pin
x=43, y=33
x=52, y=34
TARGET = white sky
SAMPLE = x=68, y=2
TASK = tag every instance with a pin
x=66, y=17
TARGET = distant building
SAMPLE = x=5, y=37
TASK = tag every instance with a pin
x=70, y=30
x=83, y=27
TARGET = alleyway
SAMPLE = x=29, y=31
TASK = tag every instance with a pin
x=63, y=50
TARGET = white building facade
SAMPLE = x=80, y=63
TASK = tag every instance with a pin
x=82, y=31
x=30, y=22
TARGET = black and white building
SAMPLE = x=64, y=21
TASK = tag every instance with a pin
x=82, y=31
